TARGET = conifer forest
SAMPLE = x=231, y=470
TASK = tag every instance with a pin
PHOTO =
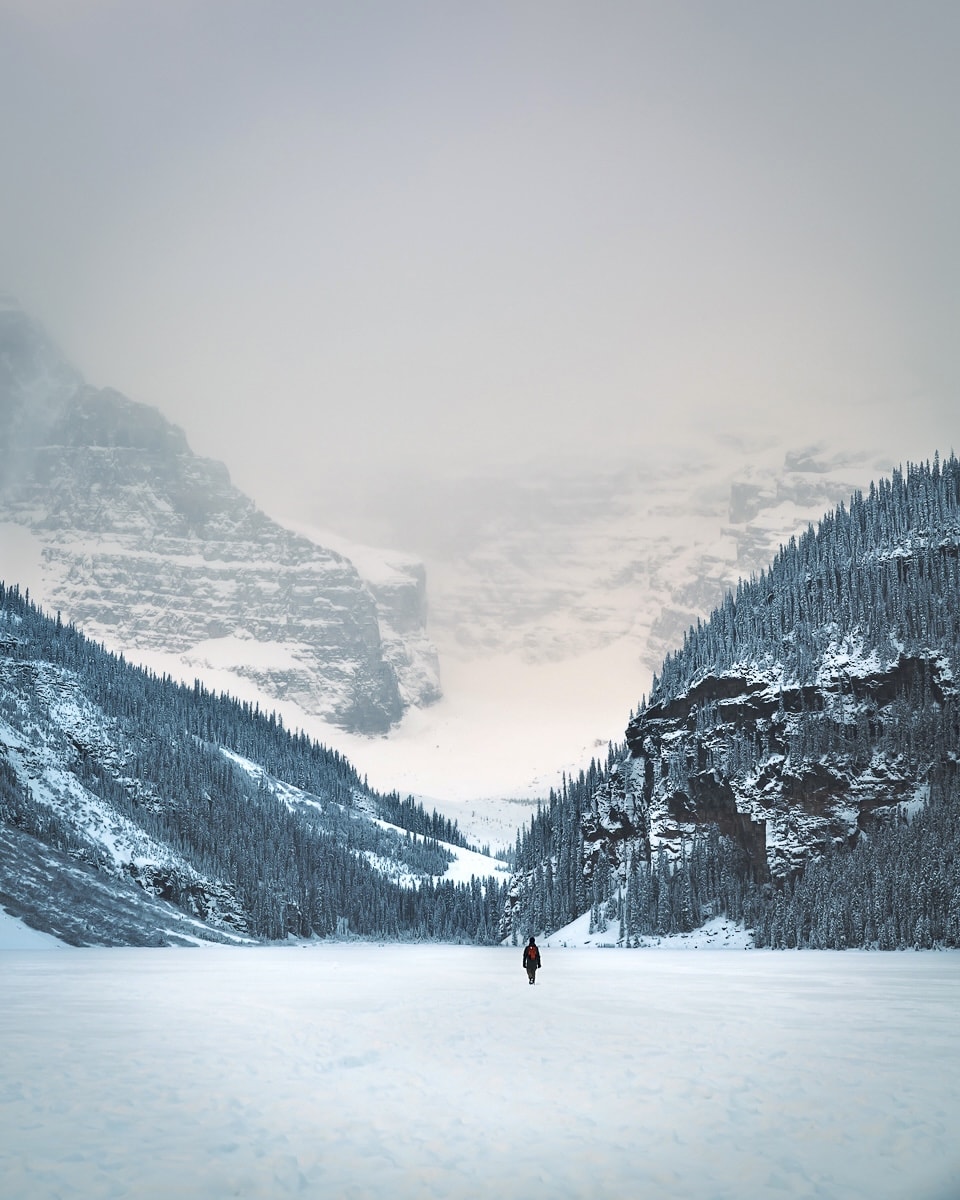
x=875, y=587
x=169, y=759
x=794, y=768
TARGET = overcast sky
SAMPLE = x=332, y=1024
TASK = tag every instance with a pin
x=336, y=239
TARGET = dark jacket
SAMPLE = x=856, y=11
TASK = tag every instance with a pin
x=531, y=956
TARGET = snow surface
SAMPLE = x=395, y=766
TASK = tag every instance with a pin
x=22, y=557
x=356, y=1070
x=17, y=935
x=719, y=933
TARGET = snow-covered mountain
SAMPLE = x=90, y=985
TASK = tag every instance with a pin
x=816, y=697
x=557, y=588
x=135, y=810
x=554, y=590
x=796, y=764
x=107, y=516
x=561, y=559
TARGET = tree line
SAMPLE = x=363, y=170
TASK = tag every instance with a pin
x=878, y=579
x=311, y=867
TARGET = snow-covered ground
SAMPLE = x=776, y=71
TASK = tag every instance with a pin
x=355, y=1070
x=16, y=935
x=719, y=933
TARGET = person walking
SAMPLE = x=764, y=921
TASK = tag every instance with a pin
x=531, y=959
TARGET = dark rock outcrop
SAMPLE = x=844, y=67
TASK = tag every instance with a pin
x=818, y=699
x=731, y=752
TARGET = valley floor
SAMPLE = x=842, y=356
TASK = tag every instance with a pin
x=354, y=1070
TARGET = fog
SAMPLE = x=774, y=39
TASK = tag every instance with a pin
x=344, y=243
x=517, y=288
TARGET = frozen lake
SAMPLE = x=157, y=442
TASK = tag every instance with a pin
x=419, y=1071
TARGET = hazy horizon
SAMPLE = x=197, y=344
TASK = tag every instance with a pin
x=366, y=254
x=343, y=242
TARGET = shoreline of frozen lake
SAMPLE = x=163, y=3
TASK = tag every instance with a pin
x=360, y=1070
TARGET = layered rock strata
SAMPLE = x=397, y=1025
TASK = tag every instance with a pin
x=148, y=547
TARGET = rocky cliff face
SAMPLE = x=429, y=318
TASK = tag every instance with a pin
x=149, y=548
x=399, y=589
x=820, y=698
x=730, y=752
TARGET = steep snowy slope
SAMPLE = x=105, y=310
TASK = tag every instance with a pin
x=135, y=810
x=816, y=698
x=106, y=515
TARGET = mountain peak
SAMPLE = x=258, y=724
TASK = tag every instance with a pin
x=146, y=545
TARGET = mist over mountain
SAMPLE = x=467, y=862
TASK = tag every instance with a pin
x=814, y=706
x=796, y=763
x=551, y=590
x=557, y=587
x=109, y=518
x=557, y=559
x=794, y=768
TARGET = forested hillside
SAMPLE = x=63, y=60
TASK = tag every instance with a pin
x=794, y=768
x=175, y=793
x=795, y=764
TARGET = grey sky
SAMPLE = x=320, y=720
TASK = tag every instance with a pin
x=335, y=239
